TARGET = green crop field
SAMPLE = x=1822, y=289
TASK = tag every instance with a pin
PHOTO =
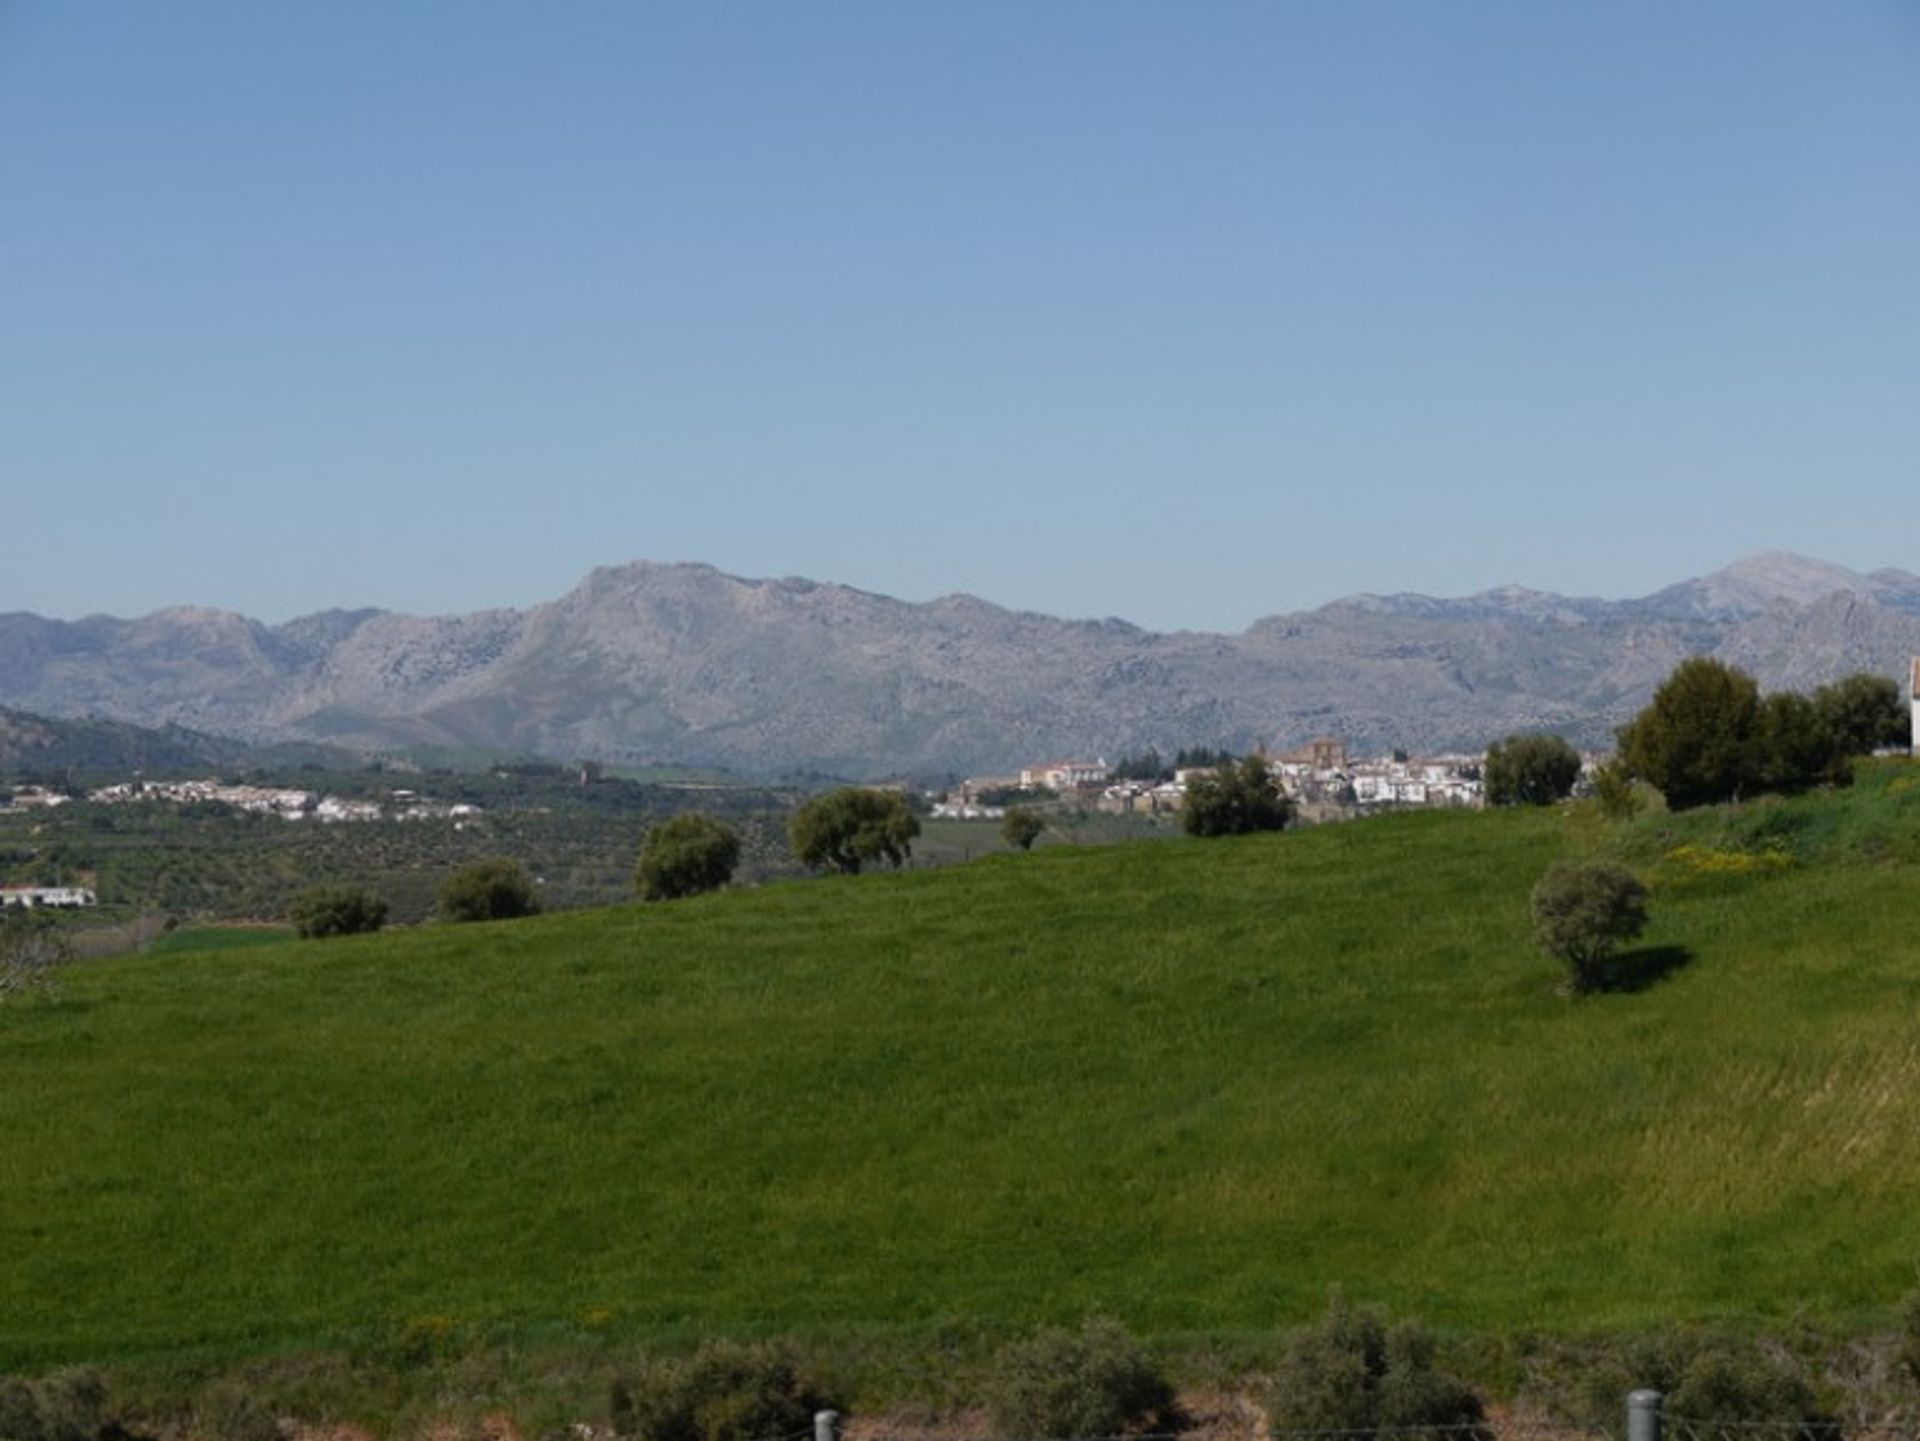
x=1192, y=1084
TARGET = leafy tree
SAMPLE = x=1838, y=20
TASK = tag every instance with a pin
x=1694, y=742
x=1862, y=712
x=495, y=889
x=1582, y=911
x=1792, y=746
x=1020, y=828
x=686, y=855
x=1530, y=770
x=847, y=828
x=337, y=911
x=1235, y=799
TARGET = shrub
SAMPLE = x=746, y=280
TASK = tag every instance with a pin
x=31, y=949
x=1613, y=789
x=1582, y=911
x=65, y=1406
x=489, y=890
x=337, y=911
x=685, y=856
x=1706, y=1377
x=1530, y=770
x=1020, y=828
x=1350, y=1372
x=1092, y=1382
x=723, y=1392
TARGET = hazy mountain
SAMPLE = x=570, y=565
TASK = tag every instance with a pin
x=683, y=663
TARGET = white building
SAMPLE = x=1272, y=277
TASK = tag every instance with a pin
x=31, y=896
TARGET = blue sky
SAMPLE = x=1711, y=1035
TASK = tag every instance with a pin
x=1185, y=313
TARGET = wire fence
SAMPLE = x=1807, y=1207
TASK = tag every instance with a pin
x=1644, y=1421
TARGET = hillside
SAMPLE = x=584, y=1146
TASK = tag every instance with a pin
x=1192, y=1084
x=644, y=664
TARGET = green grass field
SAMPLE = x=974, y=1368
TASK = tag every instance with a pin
x=1192, y=1084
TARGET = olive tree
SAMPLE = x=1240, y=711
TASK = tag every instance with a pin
x=845, y=829
x=1581, y=911
x=1020, y=828
x=684, y=856
x=496, y=889
x=324, y=911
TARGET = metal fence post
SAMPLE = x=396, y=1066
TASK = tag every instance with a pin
x=826, y=1426
x=1643, y=1416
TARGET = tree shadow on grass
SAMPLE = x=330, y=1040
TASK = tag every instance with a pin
x=1637, y=970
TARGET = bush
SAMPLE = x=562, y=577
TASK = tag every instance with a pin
x=1613, y=789
x=685, y=856
x=337, y=911
x=1530, y=770
x=1581, y=912
x=490, y=890
x=1020, y=828
x=1068, y=1384
x=1705, y=1377
x=723, y=1392
x=1350, y=1372
x=66, y=1406
x=32, y=947
x=1238, y=798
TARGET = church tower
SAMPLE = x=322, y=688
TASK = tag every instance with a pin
x=1913, y=693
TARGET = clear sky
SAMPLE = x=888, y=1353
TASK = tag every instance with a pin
x=1187, y=313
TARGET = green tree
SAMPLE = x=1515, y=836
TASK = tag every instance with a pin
x=845, y=829
x=1582, y=911
x=686, y=855
x=1694, y=742
x=1862, y=712
x=495, y=889
x=1792, y=746
x=323, y=911
x=1535, y=769
x=1020, y=828
x=1236, y=798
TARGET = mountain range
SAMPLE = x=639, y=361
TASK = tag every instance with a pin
x=649, y=663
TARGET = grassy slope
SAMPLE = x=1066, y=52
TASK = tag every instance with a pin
x=1192, y=1084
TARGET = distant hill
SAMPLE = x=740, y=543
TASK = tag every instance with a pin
x=682, y=664
x=40, y=743
x=50, y=744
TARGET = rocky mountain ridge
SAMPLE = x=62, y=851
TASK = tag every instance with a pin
x=682, y=663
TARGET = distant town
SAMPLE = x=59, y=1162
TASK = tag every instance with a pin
x=1319, y=776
